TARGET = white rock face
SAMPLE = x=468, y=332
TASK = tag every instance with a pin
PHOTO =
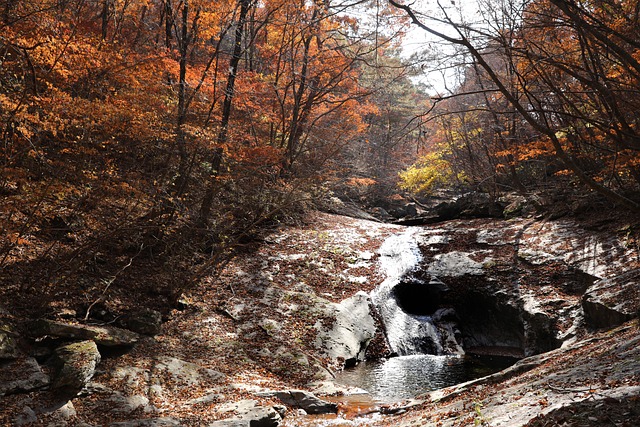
x=399, y=254
x=602, y=255
x=455, y=264
x=352, y=330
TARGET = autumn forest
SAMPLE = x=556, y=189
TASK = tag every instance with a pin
x=210, y=210
x=174, y=130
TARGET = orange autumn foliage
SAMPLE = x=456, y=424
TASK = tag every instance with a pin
x=551, y=91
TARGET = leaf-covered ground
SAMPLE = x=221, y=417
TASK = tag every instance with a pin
x=251, y=324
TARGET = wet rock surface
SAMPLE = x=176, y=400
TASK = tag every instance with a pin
x=517, y=284
x=304, y=400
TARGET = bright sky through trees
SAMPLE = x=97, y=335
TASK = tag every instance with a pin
x=439, y=60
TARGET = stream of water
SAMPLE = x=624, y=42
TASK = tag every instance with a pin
x=392, y=380
x=406, y=377
x=414, y=324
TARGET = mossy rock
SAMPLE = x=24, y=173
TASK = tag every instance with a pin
x=8, y=342
x=74, y=366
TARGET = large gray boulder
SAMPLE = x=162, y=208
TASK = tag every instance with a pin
x=353, y=328
x=103, y=335
x=611, y=302
x=74, y=365
x=21, y=375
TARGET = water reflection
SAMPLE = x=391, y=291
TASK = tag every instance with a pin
x=406, y=377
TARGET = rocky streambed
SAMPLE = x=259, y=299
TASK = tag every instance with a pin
x=261, y=343
x=518, y=287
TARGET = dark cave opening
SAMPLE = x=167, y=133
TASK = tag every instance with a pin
x=420, y=299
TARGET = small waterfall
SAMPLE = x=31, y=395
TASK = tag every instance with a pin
x=408, y=305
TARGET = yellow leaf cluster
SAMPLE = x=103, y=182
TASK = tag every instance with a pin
x=430, y=173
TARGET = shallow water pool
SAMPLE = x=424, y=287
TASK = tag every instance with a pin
x=406, y=377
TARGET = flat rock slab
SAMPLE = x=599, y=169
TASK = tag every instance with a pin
x=103, y=335
x=304, y=400
x=149, y=422
x=249, y=413
x=21, y=375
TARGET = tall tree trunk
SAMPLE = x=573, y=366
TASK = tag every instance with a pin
x=183, y=48
x=296, y=126
x=107, y=6
x=223, y=134
x=168, y=23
